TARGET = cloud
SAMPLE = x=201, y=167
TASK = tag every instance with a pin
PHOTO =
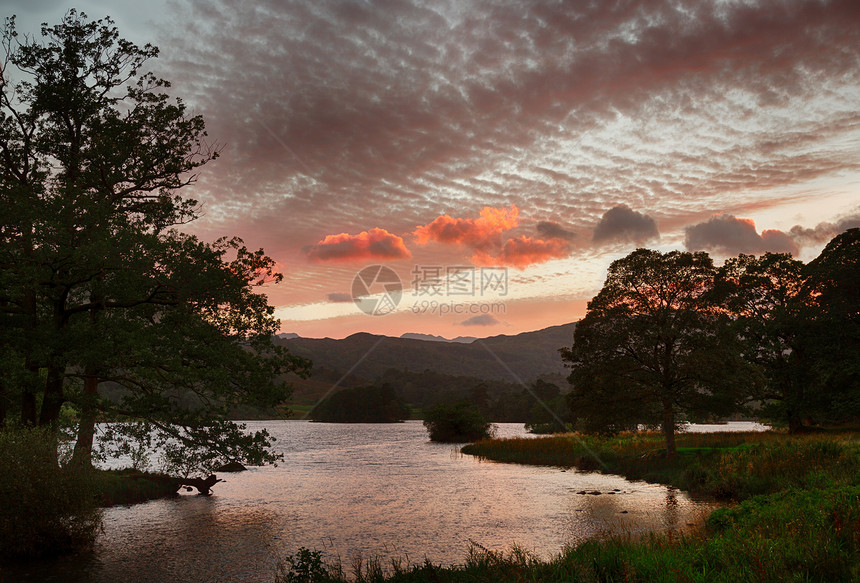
x=483, y=236
x=729, y=235
x=481, y=233
x=520, y=252
x=481, y=320
x=552, y=230
x=373, y=244
x=825, y=231
x=622, y=224
x=338, y=115
x=339, y=297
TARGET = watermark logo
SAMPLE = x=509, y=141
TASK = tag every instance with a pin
x=377, y=290
x=459, y=280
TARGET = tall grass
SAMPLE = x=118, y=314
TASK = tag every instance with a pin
x=724, y=465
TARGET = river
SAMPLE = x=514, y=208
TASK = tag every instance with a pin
x=365, y=490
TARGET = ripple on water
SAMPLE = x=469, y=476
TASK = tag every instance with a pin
x=369, y=490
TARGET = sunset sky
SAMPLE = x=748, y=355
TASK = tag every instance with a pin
x=548, y=138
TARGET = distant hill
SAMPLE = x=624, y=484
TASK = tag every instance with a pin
x=368, y=356
x=432, y=338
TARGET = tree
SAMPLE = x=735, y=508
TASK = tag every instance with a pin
x=828, y=344
x=650, y=349
x=761, y=295
x=457, y=423
x=98, y=284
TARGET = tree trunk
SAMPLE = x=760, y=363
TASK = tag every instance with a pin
x=28, y=408
x=53, y=399
x=795, y=422
x=83, y=454
x=669, y=429
x=28, y=395
x=31, y=382
x=203, y=485
x=3, y=404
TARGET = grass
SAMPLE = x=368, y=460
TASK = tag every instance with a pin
x=798, y=516
x=729, y=466
x=129, y=486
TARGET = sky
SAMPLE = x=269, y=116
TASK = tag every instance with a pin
x=495, y=157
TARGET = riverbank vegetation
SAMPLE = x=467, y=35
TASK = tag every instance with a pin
x=728, y=466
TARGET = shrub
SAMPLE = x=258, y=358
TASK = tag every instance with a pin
x=47, y=508
x=457, y=423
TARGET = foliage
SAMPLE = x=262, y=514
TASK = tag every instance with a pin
x=456, y=423
x=46, y=508
x=761, y=295
x=497, y=400
x=801, y=326
x=651, y=350
x=306, y=566
x=369, y=404
x=98, y=284
x=829, y=343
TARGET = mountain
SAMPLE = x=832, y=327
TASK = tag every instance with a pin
x=432, y=338
x=511, y=358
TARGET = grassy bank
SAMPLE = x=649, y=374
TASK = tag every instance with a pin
x=132, y=487
x=798, y=518
x=724, y=465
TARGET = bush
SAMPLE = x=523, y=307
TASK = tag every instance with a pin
x=46, y=508
x=457, y=423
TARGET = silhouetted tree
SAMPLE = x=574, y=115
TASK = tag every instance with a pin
x=651, y=349
x=761, y=296
x=97, y=284
x=457, y=423
x=829, y=340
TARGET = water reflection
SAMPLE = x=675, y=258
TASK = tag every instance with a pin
x=370, y=490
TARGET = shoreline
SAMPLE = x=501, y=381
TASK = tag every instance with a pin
x=797, y=514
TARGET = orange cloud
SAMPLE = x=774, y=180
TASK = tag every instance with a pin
x=373, y=244
x=524, y=251
x=480, y=233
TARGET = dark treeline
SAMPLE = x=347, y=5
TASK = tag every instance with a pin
x=671, y=337
x=368, y=404
x=497, y=401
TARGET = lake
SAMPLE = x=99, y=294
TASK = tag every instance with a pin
x=370, y=490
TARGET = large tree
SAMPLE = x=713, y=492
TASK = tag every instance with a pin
x=652, y=350
x=98, y=284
